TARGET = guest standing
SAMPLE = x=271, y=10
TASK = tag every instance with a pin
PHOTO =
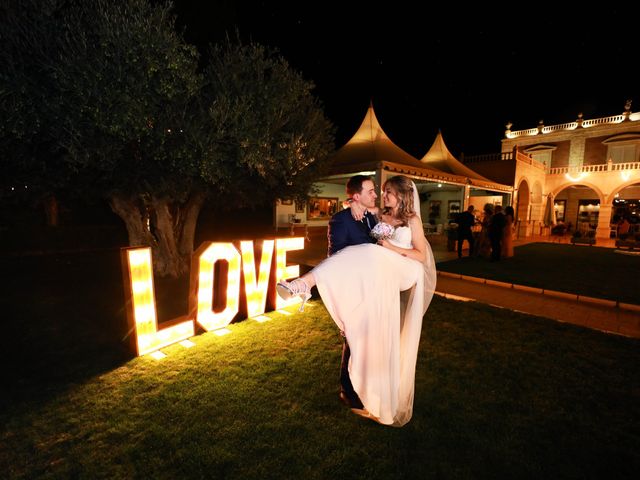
x=507, y=236
x=483, y=248
x=496, y=230
x=465, y=221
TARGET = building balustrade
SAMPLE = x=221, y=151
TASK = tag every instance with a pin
x=610, y=120
x=602, y=121
x=492, y=157
x=625, y=166
x=487, y=157
x=600, y=167
x=563, y=126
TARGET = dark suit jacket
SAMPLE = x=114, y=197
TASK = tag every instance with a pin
x=345, y=231
x=496, y=225
x=465, y=221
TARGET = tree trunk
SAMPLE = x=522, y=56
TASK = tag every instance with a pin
x=132, y=212
x=168, y=230
x=190, y=215
x=168, y=261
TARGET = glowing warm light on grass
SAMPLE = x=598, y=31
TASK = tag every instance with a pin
x=256, y=291
x=206, y=316
x=222, y=332
x=262, y=318
x=158, y=355
x=142, y=308
x=187, y=344
x=283, y=245
x=284, y=312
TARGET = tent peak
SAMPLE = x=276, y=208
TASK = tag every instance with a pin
x=370, y=146
x=440, y=158
x=370, y=129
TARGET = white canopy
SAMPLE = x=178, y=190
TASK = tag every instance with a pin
x=371, y=149
x=440, y=158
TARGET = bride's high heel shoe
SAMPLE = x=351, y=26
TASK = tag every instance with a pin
x=295, y=288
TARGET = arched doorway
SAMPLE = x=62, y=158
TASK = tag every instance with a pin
x=578, y=207
x=626, y=207
x=524, y=201
x=523, y=209
x=626, y=203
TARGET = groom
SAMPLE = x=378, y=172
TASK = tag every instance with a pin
x=344, y=231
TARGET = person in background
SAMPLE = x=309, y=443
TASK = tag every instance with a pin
x=507, y=236
x=496, y=230
x=465, y=221
x=623, y=227
x=483, y=248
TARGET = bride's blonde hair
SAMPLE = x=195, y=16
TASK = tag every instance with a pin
x=403, y=188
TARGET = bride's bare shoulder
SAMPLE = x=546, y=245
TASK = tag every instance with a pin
x=415, y=220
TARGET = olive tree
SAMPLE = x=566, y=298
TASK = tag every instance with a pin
x=130, y=118
x=30, y=105
x=270, y=130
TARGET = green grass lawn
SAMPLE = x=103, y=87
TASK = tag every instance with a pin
x=586, y=270
x=498, y=394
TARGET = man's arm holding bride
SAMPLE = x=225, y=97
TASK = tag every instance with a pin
x=418, y=240
x=358, y=211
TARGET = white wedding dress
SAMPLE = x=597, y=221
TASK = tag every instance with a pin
x=377, y=298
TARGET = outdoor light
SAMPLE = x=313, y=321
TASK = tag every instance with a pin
x=142, y=306
x=206, y=316
x=256, y=291
x=283, y=245
x=158, y=355
x=581, y=175
x=625, y=176
x=204, y=290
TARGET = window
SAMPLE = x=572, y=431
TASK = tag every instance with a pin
x=434, y=211
x=321, y=208
x=629, y=208
x=543, y=157
x=623, y=148
x=622, y=153
x=588, y=212
x=454, y=208
x=542, y=154
x=560, y=206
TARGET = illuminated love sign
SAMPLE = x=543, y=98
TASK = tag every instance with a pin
x=259, y=287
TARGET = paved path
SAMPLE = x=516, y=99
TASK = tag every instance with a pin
x=604, y=317
x=600, y=317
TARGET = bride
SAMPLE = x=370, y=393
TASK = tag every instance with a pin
x=377, y=295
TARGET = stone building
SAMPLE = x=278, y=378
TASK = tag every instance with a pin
x=586, y=173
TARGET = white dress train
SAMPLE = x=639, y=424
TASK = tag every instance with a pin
x=377, y=298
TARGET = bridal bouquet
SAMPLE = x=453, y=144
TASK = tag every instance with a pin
x=381, y=231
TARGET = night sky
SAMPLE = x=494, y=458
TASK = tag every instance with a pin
x=463, y=71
